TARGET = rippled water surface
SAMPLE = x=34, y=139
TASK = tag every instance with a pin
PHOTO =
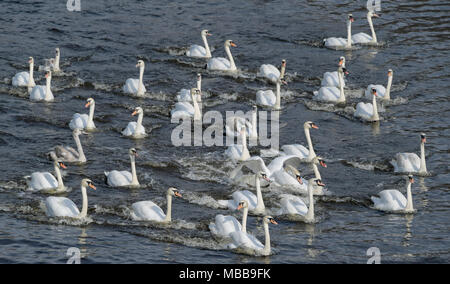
x=100, y=46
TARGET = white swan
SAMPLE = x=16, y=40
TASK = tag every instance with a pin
x=124, y=178
x=223, y=64
x=363, y=38
x=288, y=175
x=54, y=62
x=382, y=92
x=135, y=129
x=271, y=72
x=149, y=211
x=64, y=207
x=136, y=86
x=200, y=51
x=235, y=123
x=331, y=79
x=268, y=98
x=225, y=225
x=394, y=201
x=43, y=93
x=84, y=121
x=239, y=152
x=368, y=111
x=246, y=241
x=185, y=110
x=410, y=162
x=45, y=181
x=69, y=154
x=184, y=95
x=333, y=94
x=255, y=202
x=293, y=205
x=300, y=150
x=25, y=79
x=335, y=43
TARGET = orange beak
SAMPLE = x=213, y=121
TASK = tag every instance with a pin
x=177, y=194
x=412, y=180
x=134, y=113
x=88, y=104
x=300, y=181
x=273, y=222
x=315, y=126
x=341, y=62
x=239, y=207
x=321, y=184
x=62, y=166
x=233, y=44
x=322, y=163
x=424, y=140
x=92, y=186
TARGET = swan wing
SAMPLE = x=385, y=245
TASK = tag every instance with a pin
x=406, y=163
x=219, y=63
x=147, y=211
x=184, y=95
x=196, y=51
x=79, y=121
x=225, y=225
x=334, y=42
x=270, y=72
x=21, y=79
x=130, y=129
x=255, y=164
x=291, y=204
x=381, y=91
x=182, y=110
x=244, y=240
x=60, y=207
x=265, y=98
x=327, y=94
x=116, y=178
x=42, y=181
x=238, y=196
x=131, y=86
x=331, y=79
x=364, y=110
x=361, y=38
x=389, y=200
x=296, y=150
x=66, y=154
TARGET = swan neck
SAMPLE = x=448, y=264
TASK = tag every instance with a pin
x=387, y=95
x=230, y=58
x=169, y=209
x=91, y=114
x=316, y=172
x=310, y=214
x=205, y=42
x=283, y=71
x=267, y=243
x=374, y=36
x=48, y=87
x=349, y=33
x=59, y=177
x=423, y=165
x=134, y=180
x=260, y=202
x=197, y=112
x=140, y=119
x=140, y=90
x=375, y=116
x=244, y=144
x=199, y=84
x=312, y=154
x=244, y=220
x=341, y=86
x=254, y=133
x=84, y=207
x=278, y=96
x=409, y=201
x=81, y=157
x=31, y=78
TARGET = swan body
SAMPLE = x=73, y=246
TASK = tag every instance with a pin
x=382, y=92
x=185, y=110
x=136, y=86
x=268, y=98
x=299, y=150
x=25, y=79
x=64, y=207
x=247, y=241
x=149, y=211
x=135, y=129
x=271, y=72
x=225, y=225
x=45, y=181
x=198, y=51
x=239, y=152
x=368, y=111
x=54, y=62
x=223, y=64
x=394, y=200
x=84, y=121
x=184, y=95
x=331, y=79
x=332, y=94
x=337, y=43
x=410, y=162
x=43, y=93
x=363, y=38
x=69, y=154
x=124, y=178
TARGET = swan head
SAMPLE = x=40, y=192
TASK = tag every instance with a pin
x=195, y=92
x=342, y=61
x=30, y=60
x=309, y=125
x=89, y=102
x=229, y=43
x=263, y=175
x=88, y=183
x=137, y=110
x=77, y=132
x=48, y=75
x=294, y=171
x=374, y=92
x=283, y=63
x=390, y=72
x=423, y=137
x=172, y=191
x=371, y=14
x=52, y=156
x=57, y=52
x=242, y=204
x=319, y=160
x=133, y=152
x=140, y=64
x=281, y=81
x=199, y=76
x=410, y=179
x=206, y=33
x=343, y=70
x=317, y=182
x=350, y=18
x=270, y=219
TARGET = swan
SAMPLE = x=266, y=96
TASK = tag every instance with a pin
x=84, y=121
x=293, y=205
x=331, y=79
x=136, y=86
x=271, y=72
x=43, y=93
x=45, y=181
x=334, y=42
x=363, y=38
x=54, y=62
x=198, y=51
x=25, y=79
x=246, y=241
x=185, y=110
x=69, y=154
x=234, y=123
x=410, y=162
x=382, y=92
x=394, y=201
x=283, y=177
x=268, y=98
x=225, y=225
x=124, y=178
x=64, y=207
x=333, y=94
x=149, y=211
x=136, y=129
x=255, y=203
x=368, y=111
x=184, y=95
x=300, y=150
x=222, y=64
x=239, y=152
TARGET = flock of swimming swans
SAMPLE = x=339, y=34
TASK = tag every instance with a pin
x=283, y=170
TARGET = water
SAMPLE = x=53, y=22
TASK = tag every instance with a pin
x=100, y=47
